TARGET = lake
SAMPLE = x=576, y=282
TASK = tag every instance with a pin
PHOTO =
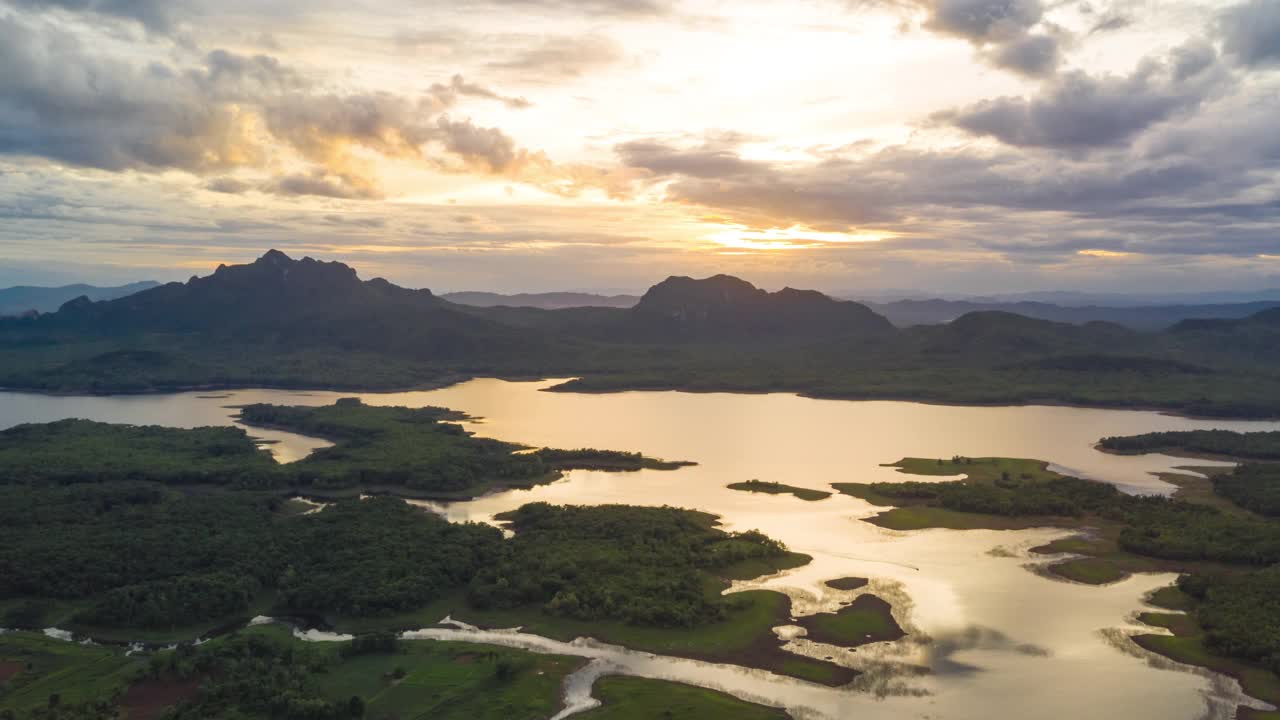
x=997, y=639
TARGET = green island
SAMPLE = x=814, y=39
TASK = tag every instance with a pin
x=1206, y=443
x=846, y=583
x=413, y=452
x=282, y=322
x=774, y=488
x=867, y=619
x=1221, y=534
x=263, y=671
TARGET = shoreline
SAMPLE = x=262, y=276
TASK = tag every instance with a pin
x=428, y=386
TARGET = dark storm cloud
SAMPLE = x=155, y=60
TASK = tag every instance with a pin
x=1077, y=110
x=1251, y=32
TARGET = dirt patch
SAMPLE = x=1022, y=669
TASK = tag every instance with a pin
x=148, y=699
x=846, y=583
x=9, y=669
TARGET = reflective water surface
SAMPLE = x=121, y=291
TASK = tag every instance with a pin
x=988, y=637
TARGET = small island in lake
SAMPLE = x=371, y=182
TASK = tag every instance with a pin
x=1222, y=534
x=846, y=583
x=774, y=488
x=866, y=620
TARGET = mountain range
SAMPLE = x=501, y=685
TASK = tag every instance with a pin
x=1129, y=311
x=305, y=323
x=24, y=299
x=543, y=301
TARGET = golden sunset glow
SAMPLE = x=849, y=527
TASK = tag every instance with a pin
x=604, y=143
x=1104, y=253
x=793, y=238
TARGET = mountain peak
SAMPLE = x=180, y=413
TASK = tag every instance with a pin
x=724, y=304
x=273, y=257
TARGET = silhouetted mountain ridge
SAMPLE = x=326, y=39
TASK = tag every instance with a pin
x=907, y=313
x=304, y=303
x=306, y=323
x=25, y=299
x=542, y=301
x=725, y=306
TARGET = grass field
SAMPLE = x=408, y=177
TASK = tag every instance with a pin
x=977, y=470
x=866, y=620
x=1089, y=570
x=48, y=667
x=438, y=680
x=1187, y=647
x=629, y=698
x=452, y=681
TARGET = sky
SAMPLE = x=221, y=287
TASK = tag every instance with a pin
x=952, y=146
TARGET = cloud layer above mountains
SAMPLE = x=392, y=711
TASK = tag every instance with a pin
x=536, y=144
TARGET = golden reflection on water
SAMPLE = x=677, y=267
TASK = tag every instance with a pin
x=999, y=641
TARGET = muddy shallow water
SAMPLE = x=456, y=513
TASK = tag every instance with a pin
x=988, y=637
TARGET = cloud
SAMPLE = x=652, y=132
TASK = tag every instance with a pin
x=562, y=57
x=1080, y=111
x=1003, y=31
x=625, y=8
x=61, y=101
x=228, y=186
x=1032, y=55
x=458, y=86
x=1251, y=32
x=1111, y=21
x=320, y=185
x=58, y=100
x=709, y=160
x=1200, y=181
x=156, y=15
x=982, y=21
x=489, y=147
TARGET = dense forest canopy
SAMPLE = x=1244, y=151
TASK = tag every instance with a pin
x=1253, y=486
x=146, y=555
x=417, y=449
x=1249, y=446
x=641, y=565
x=76, y=451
